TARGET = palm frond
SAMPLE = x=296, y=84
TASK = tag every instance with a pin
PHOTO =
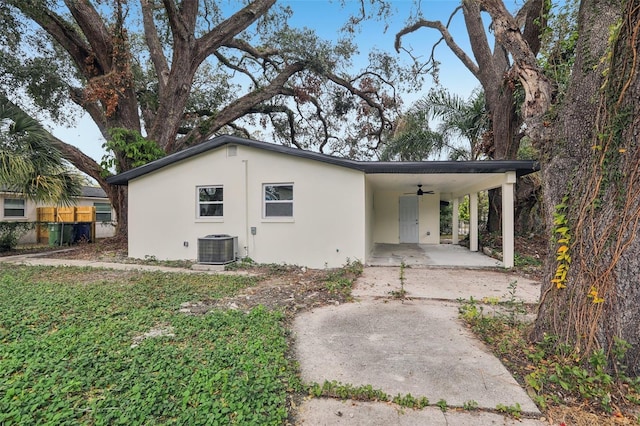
x=416, y=145
x=29, y=163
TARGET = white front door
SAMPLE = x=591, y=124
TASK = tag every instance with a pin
x=409, y=219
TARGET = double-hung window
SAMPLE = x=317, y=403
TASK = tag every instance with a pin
x=278, y=200
x=14, y=207
x=210, y=201
x=103, y=212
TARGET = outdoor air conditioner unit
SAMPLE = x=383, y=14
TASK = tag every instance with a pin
x=217, y=249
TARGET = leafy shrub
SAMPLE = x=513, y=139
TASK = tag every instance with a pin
x=10, y=233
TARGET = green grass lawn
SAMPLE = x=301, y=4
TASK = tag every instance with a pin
x=67, y=353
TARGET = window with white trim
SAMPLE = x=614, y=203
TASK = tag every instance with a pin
x=14, y=207
x=210, y=201
x=278, y=200
x=103, y=212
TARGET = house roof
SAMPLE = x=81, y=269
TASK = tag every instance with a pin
x=93, y=192
x=521, y=167
x=86, y=192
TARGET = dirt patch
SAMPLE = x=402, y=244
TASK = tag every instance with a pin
x=530, y=253
x=106, y=250
x=578, y=416
x=284, y=287
x=291, y=289
x=157, y=331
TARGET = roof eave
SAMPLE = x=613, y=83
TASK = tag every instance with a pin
x=125, y=177
x=521, y=167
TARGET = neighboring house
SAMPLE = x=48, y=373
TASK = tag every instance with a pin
x=17, y=208
x=300, y=207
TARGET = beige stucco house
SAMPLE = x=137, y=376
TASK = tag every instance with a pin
x=292, y=206
x=17, y=208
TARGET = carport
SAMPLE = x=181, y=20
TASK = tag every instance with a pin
x=403, y=206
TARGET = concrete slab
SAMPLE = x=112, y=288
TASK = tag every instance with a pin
x=329, y=412
x=418, y=347
x=445, y=284
x=429, y=255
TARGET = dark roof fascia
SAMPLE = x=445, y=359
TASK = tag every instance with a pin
x=85, y=192
x=124, y=178
x=520, y=167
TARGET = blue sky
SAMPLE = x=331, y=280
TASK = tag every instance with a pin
x=326, y=18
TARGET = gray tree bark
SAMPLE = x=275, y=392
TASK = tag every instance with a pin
x=593, y=164
x=591, y=173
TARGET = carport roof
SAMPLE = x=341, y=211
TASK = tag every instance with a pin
x=520, y=167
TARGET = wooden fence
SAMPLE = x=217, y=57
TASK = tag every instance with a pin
x=46, y=215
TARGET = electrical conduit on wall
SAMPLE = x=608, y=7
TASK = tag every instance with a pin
x=246, y=207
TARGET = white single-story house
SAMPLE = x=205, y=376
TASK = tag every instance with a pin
x=17, y=208
x=287, y=205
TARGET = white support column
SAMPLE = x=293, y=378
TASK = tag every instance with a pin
x=508, y=220
x=473, y=221
x=455, y=225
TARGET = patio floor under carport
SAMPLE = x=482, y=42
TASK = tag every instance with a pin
x=445, y=255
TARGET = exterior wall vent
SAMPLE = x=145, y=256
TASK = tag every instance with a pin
x=232, y=150
x=217, y=249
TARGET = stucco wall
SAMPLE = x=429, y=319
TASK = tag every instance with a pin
x=327, y=227
x=385, y=206
x=429, y=207
x=386, y=214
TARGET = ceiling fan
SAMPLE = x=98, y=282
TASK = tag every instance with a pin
x=420, y=191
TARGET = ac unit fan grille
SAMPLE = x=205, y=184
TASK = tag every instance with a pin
x=217, y=249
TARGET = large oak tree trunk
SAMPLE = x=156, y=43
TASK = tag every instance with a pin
x=594, y=166
x=120, y=201
x=504, y=127
x=529, y=218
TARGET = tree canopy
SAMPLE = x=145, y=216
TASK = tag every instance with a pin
x=177, y=73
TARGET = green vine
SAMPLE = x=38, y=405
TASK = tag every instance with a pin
x=127, y=149
x=563, y=256
x=616, y=118
x=563, y=235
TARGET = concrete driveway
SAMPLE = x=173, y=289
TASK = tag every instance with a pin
x=414, y=346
